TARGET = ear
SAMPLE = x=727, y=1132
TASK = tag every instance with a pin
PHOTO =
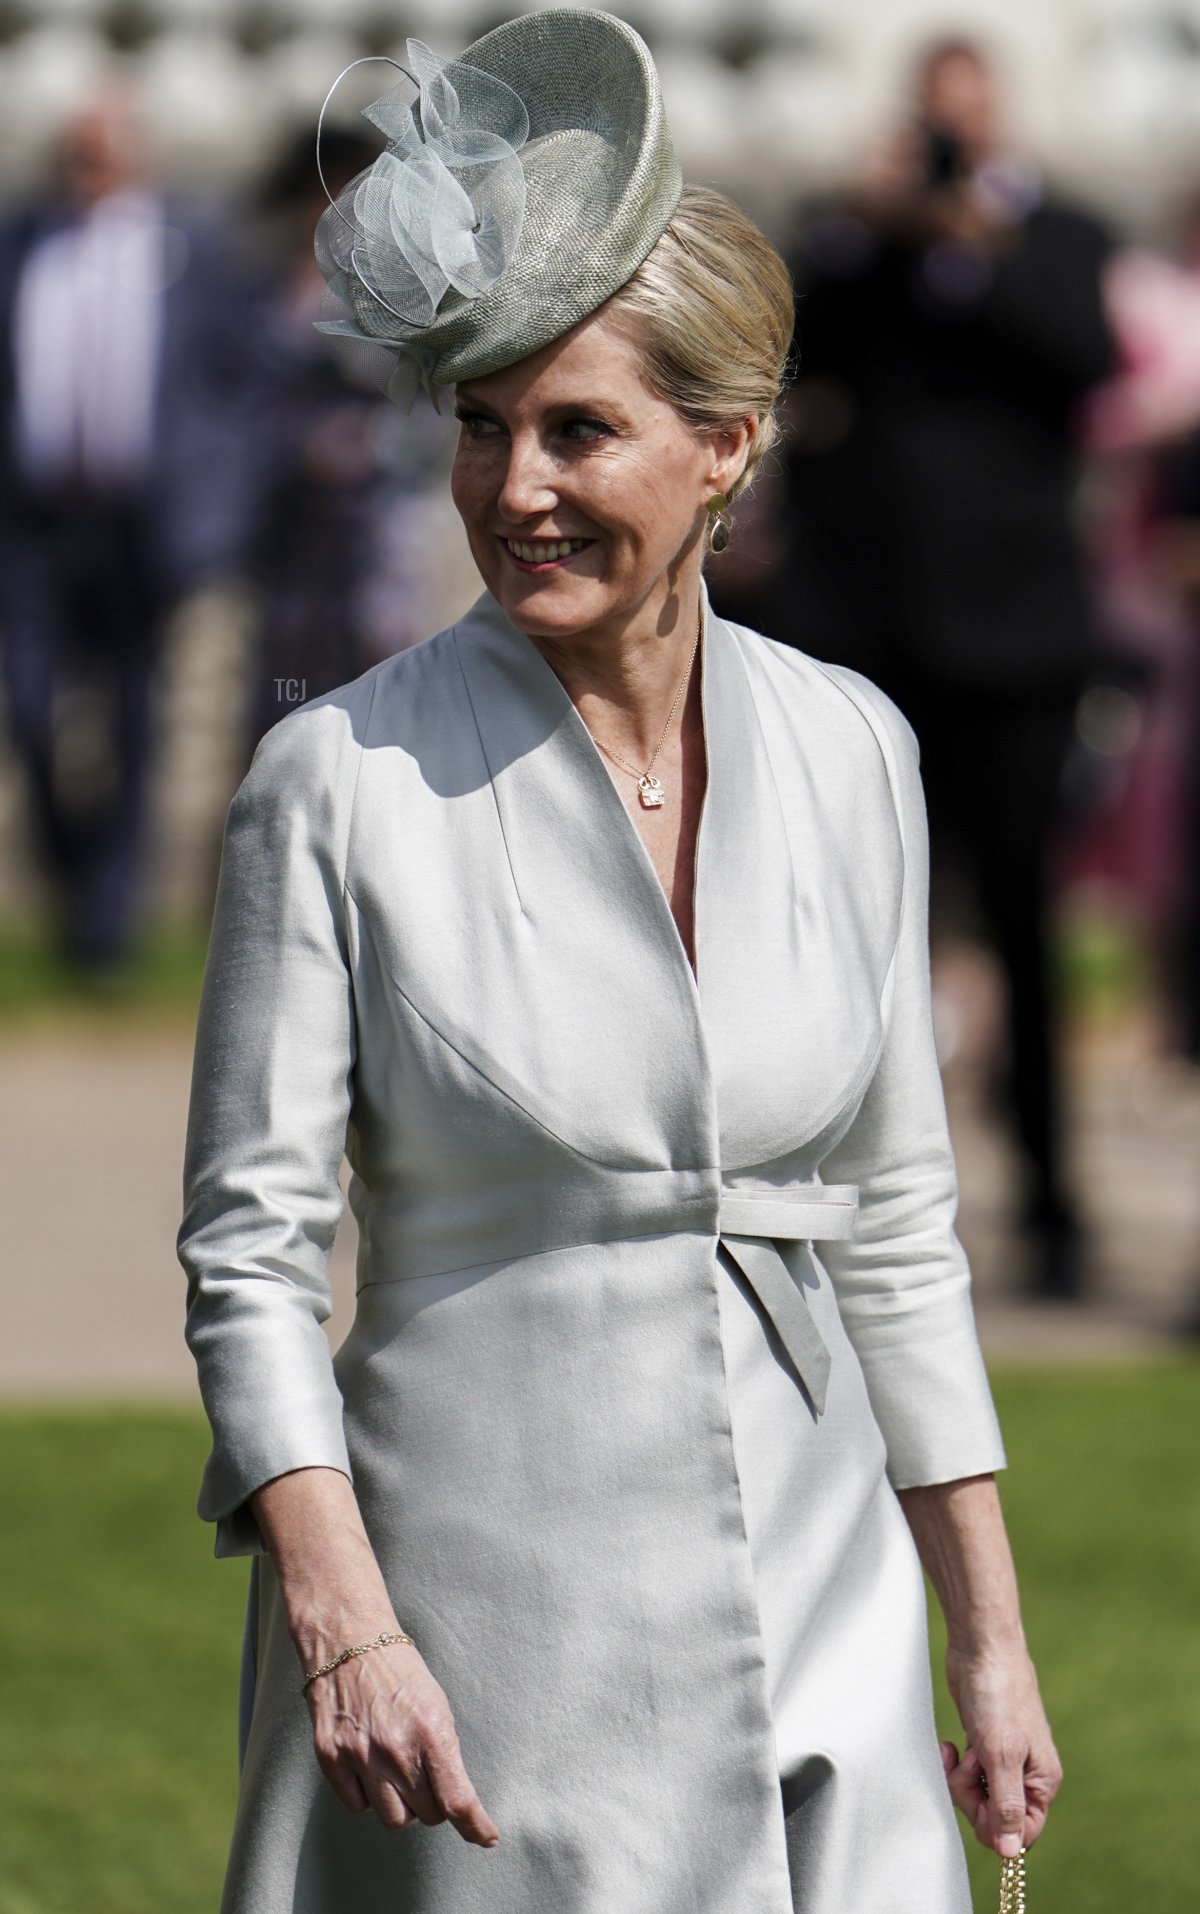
x=729, y=450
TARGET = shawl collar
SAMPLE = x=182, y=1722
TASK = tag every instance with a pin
x=732, y=1057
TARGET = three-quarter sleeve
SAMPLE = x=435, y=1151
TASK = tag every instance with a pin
x=270, y=1100
x=902, y=1281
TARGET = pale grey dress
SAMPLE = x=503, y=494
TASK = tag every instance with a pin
x=659, y=1292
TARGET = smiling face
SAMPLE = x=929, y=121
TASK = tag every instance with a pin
x=582, y=492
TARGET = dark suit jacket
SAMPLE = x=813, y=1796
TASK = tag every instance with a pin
x=929, y=486
x=194, y=497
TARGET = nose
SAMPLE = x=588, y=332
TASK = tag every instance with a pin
x=527, y=487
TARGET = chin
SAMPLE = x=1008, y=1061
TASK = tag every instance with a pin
x=548, y=607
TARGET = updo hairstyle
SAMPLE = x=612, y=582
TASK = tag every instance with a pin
x=711, y=309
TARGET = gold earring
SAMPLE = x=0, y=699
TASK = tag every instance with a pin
x=718, y=530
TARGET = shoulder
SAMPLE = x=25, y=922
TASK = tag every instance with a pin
x=305, y=771
x=827, y=701
x=1060, y=221
x=315, y=741
x=890, y=729
x=831, y=732
x=326, y=735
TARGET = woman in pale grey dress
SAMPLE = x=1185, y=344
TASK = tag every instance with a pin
x=593, y=932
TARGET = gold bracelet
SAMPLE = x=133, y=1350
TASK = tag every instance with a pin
x=1012, y=1884
x=348, y=1654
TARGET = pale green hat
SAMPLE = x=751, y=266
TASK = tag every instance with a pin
x=521, y=185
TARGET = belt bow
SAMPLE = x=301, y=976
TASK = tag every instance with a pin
x=753, y=1222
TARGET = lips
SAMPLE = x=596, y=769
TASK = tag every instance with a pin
x=536, y=553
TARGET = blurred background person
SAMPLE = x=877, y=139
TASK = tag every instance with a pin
x=1179, y=550
x=1142, y=428
x=124, y=412
x=1147, y=422
x=1173, y=430
x=950, y=318
x=339, y=532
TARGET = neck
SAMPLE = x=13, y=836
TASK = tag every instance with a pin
x=622, y=675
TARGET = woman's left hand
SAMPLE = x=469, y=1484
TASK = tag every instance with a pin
x=1010, y=1771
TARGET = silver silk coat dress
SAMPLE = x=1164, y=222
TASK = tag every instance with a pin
x=659, y=1296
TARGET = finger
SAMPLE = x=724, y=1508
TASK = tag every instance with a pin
x=967, y=1791
x=349, y=1792
x=1003, y=1823
x=342, y=1779
x=387, y=1801
x=456, y=1795
x=413, y=1785
x=974, y=1780
x=949, y=1754
x=1043, y=1778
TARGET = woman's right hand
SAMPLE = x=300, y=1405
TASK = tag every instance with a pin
x=385, y=1739
x=382, y=1726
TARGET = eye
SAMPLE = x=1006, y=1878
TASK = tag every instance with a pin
x=583, y=429
x=475, y=424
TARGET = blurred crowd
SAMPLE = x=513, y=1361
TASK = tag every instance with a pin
x=988, y=501
x=170, y=418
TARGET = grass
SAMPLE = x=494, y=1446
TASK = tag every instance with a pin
x=1102, y=1498
x=162, y=978
x=118, y=1668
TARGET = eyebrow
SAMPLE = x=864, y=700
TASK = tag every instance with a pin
x=607, y=409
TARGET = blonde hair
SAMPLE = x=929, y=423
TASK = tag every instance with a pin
x=711, y=309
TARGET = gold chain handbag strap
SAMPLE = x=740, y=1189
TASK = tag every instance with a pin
x=1012, y=1872
x=1012, y=1884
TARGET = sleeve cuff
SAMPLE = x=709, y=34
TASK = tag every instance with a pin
x=930, y=1395
x=225, y=1489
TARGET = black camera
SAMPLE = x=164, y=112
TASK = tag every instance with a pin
x=945, y=157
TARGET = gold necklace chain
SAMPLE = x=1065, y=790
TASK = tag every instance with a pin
x=650, y=789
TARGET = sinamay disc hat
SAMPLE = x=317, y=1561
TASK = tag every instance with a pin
x=522, y=184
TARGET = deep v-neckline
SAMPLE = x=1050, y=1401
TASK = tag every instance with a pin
x=553, y=790
x=629, y=823
x=632, y=820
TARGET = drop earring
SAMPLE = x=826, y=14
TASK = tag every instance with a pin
x=718, y=529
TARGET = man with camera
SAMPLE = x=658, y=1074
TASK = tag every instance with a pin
x=949, y=319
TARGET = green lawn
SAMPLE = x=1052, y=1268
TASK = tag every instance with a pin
x=118, y=1667
x=118, y=1660
x=160, y=980
x=1102, y=1497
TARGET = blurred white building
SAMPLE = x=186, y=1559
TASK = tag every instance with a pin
x=769, y=97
